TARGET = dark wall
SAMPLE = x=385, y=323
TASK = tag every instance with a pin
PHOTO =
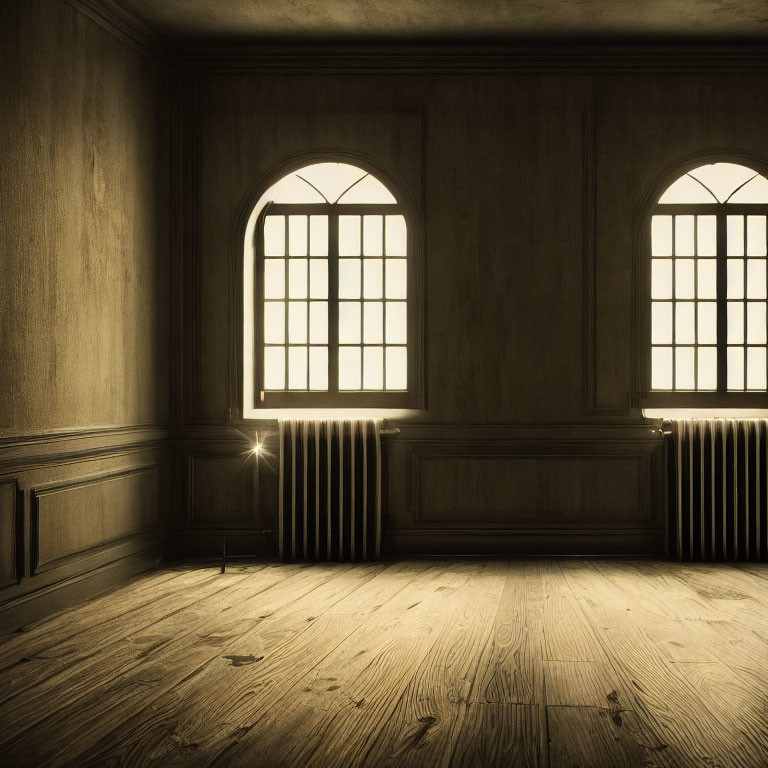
x=530, y=189
x=84, y=296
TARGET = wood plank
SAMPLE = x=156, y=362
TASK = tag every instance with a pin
x=509, y=669
x=209, y=707
x=45, y=633
x=359, y=683
x=500, y=735
x=172, y=650
x=666, y=700
x=432, y=709
x=588, y=737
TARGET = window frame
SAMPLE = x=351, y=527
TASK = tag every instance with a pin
x=396, y=400
x=721, y=398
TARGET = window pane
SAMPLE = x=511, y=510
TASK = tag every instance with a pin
x=684, y=368
x=274, y=367
x=707, y=286
x=706, y=235
x=397, y=239
x=707, y=374
x=685, y=322
x=735, y=322
x=735, y=235
x=735, y=279
x=373, y=235
x=756, y=278
x=318, y=235
x=318, y=368
x=756, y=331
x=297, y=235
x=707, y=322
x=661, y=279
x=661, y=367
x=684, y=236
x=661, y=236
x=369, y=190
x=661, y=322
x=373, y=322
x=274, y=322
x=274, y=236
x=349, y=322
x=685, y=285
x=756, y=368
x=297, y=367
x=318, y=322
x=397, y=368
x=756, y=236
x=736, y=368
x=297, y=278
x=373, y=368
x=318, y=279
x=349, y=367
x=349, y=235
x=297, y=322
x=372, y=278
x=397, y=278
x=274, y=278
x=349, y=278
x=397, y=323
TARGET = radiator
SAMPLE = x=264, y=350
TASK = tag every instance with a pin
x=330, y=490
x=716, y=489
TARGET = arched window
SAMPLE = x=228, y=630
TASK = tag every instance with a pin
x=327, y=256
x=708, y=286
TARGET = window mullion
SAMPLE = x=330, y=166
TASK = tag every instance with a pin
x=722, y=304
x=333, y=302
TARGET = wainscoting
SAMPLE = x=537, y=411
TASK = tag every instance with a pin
x=80, y=512
x=525, y=490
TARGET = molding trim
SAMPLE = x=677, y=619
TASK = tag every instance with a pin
x=49, y=488
x=128, y=28
x=15, y=541
x=28, y=451
x=546, y=57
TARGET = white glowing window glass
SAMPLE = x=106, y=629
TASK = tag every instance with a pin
x=318, y=235
x=318, y=368
x=349, y=235
x=661, y=279
x=349, y=278
x=333, y=272
x=274, y=278
x=297, y=236
x=396, y=279
x=396, y=368
x=709, y=233
x=373, y=235
x=274, y=236
x=318, y=279
x=349, y=368
x=274, y=367
x=297, y=367
x=274, y=322
x=318, y=322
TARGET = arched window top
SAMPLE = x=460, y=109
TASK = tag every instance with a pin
x=333, y=183
x=717, y=183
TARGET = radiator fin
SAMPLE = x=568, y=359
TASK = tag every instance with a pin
x=717, y=489
x=330, y=490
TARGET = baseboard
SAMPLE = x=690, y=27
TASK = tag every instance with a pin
x=409, y=543
x=210, y=542
x=34, y=606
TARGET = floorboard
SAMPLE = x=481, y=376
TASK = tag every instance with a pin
x=440, y=663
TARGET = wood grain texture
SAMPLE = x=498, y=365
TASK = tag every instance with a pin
x=452, y=663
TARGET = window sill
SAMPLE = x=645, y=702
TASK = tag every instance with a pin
x=705, y=413
x=269, y=414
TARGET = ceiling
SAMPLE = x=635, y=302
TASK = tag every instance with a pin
x=319, y=20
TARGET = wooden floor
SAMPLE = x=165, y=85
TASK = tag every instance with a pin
x=418, y=663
